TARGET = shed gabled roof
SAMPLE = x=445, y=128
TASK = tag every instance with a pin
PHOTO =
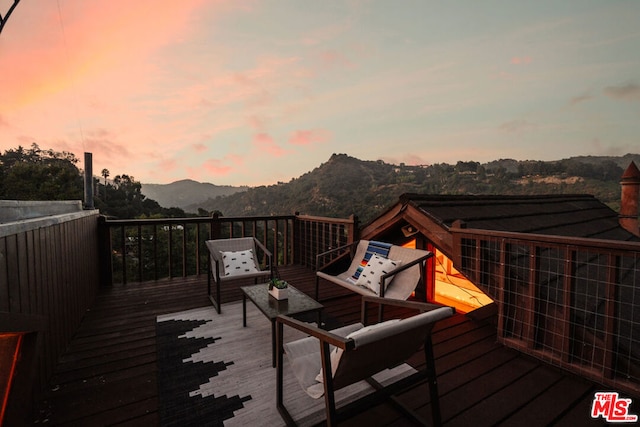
x=574, y=215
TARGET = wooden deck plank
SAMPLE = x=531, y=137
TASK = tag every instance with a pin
x=460, y=400
x=509, y=399
x=84, y=408
x=549, y=406
x=568, y=419
x=90, y=381
x=108, y=374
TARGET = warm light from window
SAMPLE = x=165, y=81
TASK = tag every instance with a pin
x=454, y=289
x=410, y=244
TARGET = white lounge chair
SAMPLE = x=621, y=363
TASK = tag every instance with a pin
x=327, y=361
x=397, y=278
x=234, y=259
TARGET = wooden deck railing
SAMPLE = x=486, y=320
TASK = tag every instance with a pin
x=152, y=249
x=572, y=302
x=50, y=271
x=48, y=279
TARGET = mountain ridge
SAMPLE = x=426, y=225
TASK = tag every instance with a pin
x=345, y=185
x=186, y=192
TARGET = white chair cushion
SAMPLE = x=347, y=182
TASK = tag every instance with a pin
x=359, y=335
x=336, y=353
x=305, y=360
x=373, y=271
x=237, y=263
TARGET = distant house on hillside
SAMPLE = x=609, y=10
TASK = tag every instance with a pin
x=563, y=270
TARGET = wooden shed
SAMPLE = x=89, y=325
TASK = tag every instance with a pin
x=561, y=269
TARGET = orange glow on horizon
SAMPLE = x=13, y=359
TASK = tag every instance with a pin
x=78, y=51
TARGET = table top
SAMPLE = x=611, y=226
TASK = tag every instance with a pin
x=297, y=302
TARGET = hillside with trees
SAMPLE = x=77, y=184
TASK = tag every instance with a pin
x=340, y=187
x=187, y=192
x=345, y=185
x=37, y=174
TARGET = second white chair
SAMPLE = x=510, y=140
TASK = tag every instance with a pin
x=234, y=259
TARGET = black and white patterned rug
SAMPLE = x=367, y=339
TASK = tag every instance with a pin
x=212, y=371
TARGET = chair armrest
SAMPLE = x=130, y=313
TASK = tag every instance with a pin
x=420, y=306
x=267, y=252
x=403, y=267
x=261, y=246
x=314, y=331
x=409, y=264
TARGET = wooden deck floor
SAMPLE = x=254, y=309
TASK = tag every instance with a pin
x=108, y=374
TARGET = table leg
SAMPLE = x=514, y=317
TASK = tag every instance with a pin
x=273, y=343
x=244, y=310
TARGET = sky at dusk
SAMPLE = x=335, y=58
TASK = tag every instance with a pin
x=260, y=92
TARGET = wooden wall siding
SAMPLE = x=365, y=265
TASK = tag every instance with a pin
x=571, y=302
x=153, y=249
x=51, y=272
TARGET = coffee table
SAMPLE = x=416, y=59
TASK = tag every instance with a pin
x=296, y=303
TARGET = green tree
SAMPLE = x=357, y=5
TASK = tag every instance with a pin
x=105, y=174
x=37, y=174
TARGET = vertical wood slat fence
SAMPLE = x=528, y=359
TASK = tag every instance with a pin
x=49, y=273
x=153, y=249
x=574, y=303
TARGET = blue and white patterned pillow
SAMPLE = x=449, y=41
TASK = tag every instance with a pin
x=373, y=271
x=237, y=263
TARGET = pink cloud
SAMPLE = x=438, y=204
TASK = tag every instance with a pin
x=521, y=60
x=216, y=167
x=518, y=126
x=322, y=35
x=307, y=137
x=264, y=143
x=581, y=98
x=412, y=159
x=409, y=159
x=331, y=58
x=235, y=159
x=257, y=123
x=625, y=92
x=168, y=165
x=199, y=148
x=104, y=144
x=193, y=173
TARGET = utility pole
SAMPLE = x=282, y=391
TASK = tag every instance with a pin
x=3, y=20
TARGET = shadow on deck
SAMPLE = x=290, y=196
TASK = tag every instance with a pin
x=107, y=376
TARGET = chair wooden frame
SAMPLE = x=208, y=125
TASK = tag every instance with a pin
x=359, y=363
x=216, y=266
